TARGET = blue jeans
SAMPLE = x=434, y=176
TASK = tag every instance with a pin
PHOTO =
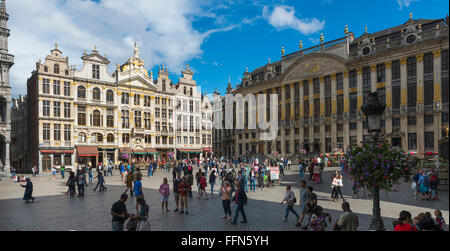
x=150, y=172
x=226, y=207
x=90, y=177
x=62, y=174
x=212, y=187
x=302, y=174
x=288, y=208
x=117, y=226
x=236, y=213
x=109, y=172
x=13, y=174
x=252, y=184
x=81, y=190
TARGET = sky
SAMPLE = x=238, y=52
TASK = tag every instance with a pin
x=217, y=38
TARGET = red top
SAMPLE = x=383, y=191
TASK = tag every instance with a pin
x=203, y=182
x=405, y=227
x=183, y=188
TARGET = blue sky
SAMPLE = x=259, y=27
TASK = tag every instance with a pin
x=217, y=38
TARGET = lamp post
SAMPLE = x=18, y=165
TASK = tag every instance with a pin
x=374, y=109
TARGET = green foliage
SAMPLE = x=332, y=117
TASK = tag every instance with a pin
x=377, y=165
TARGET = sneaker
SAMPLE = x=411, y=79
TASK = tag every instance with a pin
x=176, y=210
x=181, y=212
x=187, y=213
x=284, y=220
x=244, y=221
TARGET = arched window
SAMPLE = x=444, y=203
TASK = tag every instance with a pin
x=82, y=137
x=56, y=68
x=97, y=137
x=109, y=96
x=96, y=94
x=81, y=92
x=96, y=118
x=110, y=138
x=45, y=69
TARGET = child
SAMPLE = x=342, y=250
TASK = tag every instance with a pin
x=164, y=190
x=440, y=221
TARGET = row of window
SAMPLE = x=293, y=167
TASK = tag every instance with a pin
x=56, y=109
x=56, y=132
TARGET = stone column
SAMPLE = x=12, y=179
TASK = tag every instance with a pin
x=346, y=111
x=437, y=101
x=373, y=78
x=333, y=112
x=403, y=100
x=311, y=112
x=7, y=161
x=322, y=114
x=359, y=136
x=302, y=114
x=292, y=118
x=419, y=114
x=388, y=118
x=283, y=120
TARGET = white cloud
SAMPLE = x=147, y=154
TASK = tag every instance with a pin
x=314, y=40
x=283, y=16
x=162, y=29
x=405, y=3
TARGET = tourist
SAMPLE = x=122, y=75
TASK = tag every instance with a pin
x=440, y=221
x=81, y=180
x=100, y=182
x=129, y=183
x=28, y=195
x=190, y=181
x=334, y=184
x=311, y=170
x=176, y=193
x=316, y=171
x=318, y=220
x=71, y=181
x=164, y=190
x=90, y=174
x=212, y=181
x=53, y=172
x=434, y=186
x=425, y=186
x=302, y=202
x=142, y=216
x=62, y=170
x=260, y=177
x=119, y=213
x=13, y=172
x=404, y=222
x=301, y=170
x=174, y=173
x=202, y=187
x=197, y=178
x=109, y=170
x=252, y=180
x=290, y=200
x=240, y=198
x=339, y=187
x=183, y=188
x=311, y=204
x=225, y=196
x=348, y=220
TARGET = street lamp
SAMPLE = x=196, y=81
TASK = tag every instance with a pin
x=374, y=109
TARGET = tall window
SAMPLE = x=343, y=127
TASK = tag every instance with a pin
x=395, y=70
x=445, y=91
x=444, y=60
x=125, y=119
x=429, y=140
x=110, y=118
x=411, y=67
x=125, y=98
x=327, y=86
x=56, y=87
x=137, y=99
x=56, y=69
x=396, y=96
x=428, y=63
x=339, y=81
x=45, y=108
x=66, y=110
x=316, y=86
x=110, y=138
x=353, y=79
x=412, y=94
x=191, y=105
x=109, y=96
x=67, y=136
x=96, y=118
x=381, y=73
x=137, y=119
x=328, y=107
x=126, y=138
x=81, y=92
x=57, y=132
x=147, y=121
x=163, y=85
x=82, y=137
x=81, y=115
x=306, y=108
x=366, y=76
x=157, y=112
x=382, y=95
x=45, y=85
x=305, y=88
x=297, y=90
x=428, y=92
x=96, y=94
x=96, y=71
x=316, y=108
x=46, y=131
x=147, y=101
x=412, y=141
x=340, y=104
x=66, y=88
x=56, y=109
x=353, y=103
x=97, y=137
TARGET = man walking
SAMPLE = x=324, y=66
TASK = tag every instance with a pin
x=100, y=182
x=176, y=192
x=240, y=198
x=183, y=188
x=302, y=202
x=290, y=199
x=119, y=213
x=348, y=220
x=62, y=169
x=81, y=180
x=311, y=204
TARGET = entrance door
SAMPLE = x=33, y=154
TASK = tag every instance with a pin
x=46, y=163
x=397, y=142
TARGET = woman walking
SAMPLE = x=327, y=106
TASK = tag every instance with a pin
x=28, y=195
x=225, y=195
x=339, y=187
x=71, y=181
x=212, y=181
x=164, y=190
x=252, y=180
x=202, y=187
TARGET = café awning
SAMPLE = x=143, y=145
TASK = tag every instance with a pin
x=190, y=150
x=84, y=151
x=125, y=150
x=151, y=151
x=57, y=151
x=207, y=149
x=139, y=152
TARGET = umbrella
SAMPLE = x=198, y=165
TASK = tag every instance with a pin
x=429, y=153
x=411, y=153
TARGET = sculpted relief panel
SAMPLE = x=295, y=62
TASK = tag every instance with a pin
x=314, y=67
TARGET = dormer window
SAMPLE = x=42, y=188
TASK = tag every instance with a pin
x=96, y=94
x=164, y=85
x=45, y=69
x=184, y=90
x=96, y=71
x=190, y=92
x=67, y=72
x=56, y=69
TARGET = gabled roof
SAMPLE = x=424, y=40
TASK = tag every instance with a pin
x=96, y=58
